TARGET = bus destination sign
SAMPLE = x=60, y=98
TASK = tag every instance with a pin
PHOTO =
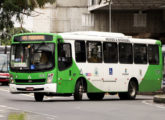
x=24, y=38
x=33, y=37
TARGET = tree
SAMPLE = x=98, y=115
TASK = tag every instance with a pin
x=12, y=31
x=17, y=8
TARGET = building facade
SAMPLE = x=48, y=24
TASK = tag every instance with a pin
x=63, y=16
x=131, y=16
x=141, y=18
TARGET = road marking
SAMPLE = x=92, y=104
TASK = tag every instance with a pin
x=154, y=104
x=50, y=118
x=6, y=107
x=4, y=90
x=1, y=116
x=31, y=95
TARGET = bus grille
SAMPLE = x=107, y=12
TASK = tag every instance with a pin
x=29, y=81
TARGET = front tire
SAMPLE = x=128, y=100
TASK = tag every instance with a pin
x=79, y=89
x=132, y=91
x=38, y=97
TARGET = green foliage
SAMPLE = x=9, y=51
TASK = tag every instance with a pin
x=7, y=37
x=17, y=8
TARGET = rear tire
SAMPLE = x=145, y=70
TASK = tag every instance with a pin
x=95, y=96
x=79, y=89
x=38, y=97
x=132, y=91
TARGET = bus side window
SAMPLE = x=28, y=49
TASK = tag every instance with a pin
x=80, y=51
x=125, y=53
x=94, y=52
x=140, y=54
x=64, y=56
x=110, y=52
x=153, y=54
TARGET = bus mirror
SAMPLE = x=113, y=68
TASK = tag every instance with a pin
x=59, y=41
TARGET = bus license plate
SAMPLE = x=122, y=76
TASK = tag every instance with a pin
x=29, y=88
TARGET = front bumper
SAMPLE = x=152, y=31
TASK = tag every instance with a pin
x=4, y=79
x=46, y=88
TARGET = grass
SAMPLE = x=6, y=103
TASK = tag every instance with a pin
x=17, y=116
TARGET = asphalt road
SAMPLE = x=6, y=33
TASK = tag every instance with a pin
x=62, y=108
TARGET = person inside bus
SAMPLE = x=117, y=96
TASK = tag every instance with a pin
x=44, y=58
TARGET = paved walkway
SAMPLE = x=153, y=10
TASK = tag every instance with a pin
x=159, y=98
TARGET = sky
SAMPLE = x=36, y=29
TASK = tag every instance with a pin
x=28, y=23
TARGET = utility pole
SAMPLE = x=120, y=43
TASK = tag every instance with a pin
x=110, y=15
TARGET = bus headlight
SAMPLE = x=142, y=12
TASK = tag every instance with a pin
x=50, y=78
x=11, y=79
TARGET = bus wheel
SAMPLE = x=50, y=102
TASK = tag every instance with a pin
x=79, y=89
x=95, y=96
x=38, y=97
x=132, y=91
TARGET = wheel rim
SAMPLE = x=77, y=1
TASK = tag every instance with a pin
x=80, y=89
x=132, y=89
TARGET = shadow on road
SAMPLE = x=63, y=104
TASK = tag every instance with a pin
x=54, y=99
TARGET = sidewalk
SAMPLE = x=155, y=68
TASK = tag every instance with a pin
x=160, y=92
x=159, y=98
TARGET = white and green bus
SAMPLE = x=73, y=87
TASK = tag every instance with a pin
x=89, y=62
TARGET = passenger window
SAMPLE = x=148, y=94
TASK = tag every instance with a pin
x=80, y=52
x=94, y=52
x=64, y=56
x=125, y=53
x=110, y=52
x=153, y=54
x=140, y=54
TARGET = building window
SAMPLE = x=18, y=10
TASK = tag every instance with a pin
x=153, y=54
x=88, y=20
x=140, y=54
x=125, y=53
x=140, y=19
x=80, y=52
x=110, y=51
x=96, y=2
x=94, y=52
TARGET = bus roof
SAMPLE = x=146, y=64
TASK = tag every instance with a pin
x=105, y=36
x=100, y=36
x=95, y=33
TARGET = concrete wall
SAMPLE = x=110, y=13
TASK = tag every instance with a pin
x=67, y=15
x=42, y=20
x=64, y=16
x=101, y=21
x=67, y=19
x=72, y=3
x=123, y=21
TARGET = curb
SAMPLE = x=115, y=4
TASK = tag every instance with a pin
x=159, y=98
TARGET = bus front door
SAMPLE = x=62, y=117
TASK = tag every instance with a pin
x=64, y=68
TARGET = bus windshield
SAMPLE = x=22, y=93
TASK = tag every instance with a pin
x=32, y=57
x=3, y=63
